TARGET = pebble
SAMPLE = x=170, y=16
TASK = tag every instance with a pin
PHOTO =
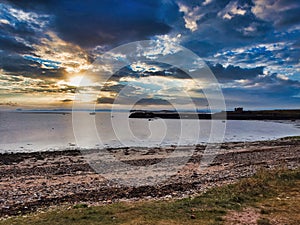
x=77, y=182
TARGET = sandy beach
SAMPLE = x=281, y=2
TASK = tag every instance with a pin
x=31, y=181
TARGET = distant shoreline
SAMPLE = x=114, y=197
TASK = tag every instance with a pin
x=238, y=114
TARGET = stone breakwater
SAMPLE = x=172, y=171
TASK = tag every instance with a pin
x=31, y=181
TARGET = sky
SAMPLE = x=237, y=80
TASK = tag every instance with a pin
x=251, y=46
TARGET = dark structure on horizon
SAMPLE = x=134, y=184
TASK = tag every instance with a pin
x=237, y=114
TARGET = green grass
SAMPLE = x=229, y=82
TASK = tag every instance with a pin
x=291, y=138
x=261, y=191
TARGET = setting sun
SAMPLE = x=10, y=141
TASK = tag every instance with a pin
x=77, y=81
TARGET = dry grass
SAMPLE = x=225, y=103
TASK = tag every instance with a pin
x=275, y=196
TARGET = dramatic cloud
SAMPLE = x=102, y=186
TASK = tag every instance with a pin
x=152, y=101
x=270, y=91
x=19, y=29
x=141, y=102
x=21, y=84
x=231, y=10
x=231, y=73
x=47, y=50
x=66, y=100
x=56, y=53
x=11, y=44
x=191, y=16
x=283, y=13
x=144, y=69
x=101, y=22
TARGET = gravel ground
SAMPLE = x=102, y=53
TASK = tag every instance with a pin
x=30, y=181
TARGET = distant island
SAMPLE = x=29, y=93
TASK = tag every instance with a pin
x=237, y=114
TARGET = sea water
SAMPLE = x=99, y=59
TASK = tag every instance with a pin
x=28, y=132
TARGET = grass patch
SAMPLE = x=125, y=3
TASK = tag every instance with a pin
x=80, y=205
x=261, y=191
x=291, y=138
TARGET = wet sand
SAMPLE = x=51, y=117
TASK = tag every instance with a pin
x=31, y=181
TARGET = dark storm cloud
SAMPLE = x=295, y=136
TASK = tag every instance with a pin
x=20, y=27
x=291, y=17
x=10, y=44
x=17, y=65
x=231, y=73
x=19, y=32
x=14, y=63
x=158, y=69
x=217, y=32
x=113, y=88
x=296, y=44
x=66, y=100
x=254, y=32
x=255, y=82
x=143, y=101
x=203, y=48
x=106, y=22
x=283, y=13
x=117, y=88
x=257, y=89
x=105, y=100
x=264, y=91
x=276, y=86
x=153, y=101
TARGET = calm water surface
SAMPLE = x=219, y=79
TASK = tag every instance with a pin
x=26, y=132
